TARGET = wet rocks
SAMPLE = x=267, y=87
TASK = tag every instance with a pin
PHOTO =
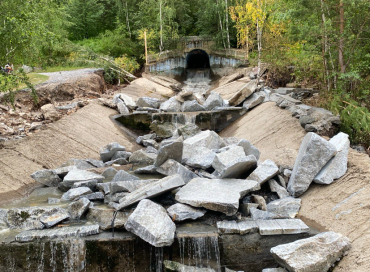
x=77, y=175
x=214, y=100
x=172, y=167
x=233, y=163
x=148, y=102
x=78, y=208
x=281, y=226
x=103, y=217
x=107, y=152
x=337, y=166
x=151, y=223
x=142, y=157
x=216, y=194
x=313, y=154
x=122, y=175
x=47, y=177
x=180, y=212
x=164, y=130
x=324, y=250
x=228, y=227
x=54, y=217
x=188, y=130
x=79, y=231
x=171, y=266
x=171, y=105
x=169, y=151
x=150, y=190
x=74, y=193
x=264, y=171
x=191, y=106
x=26, y=218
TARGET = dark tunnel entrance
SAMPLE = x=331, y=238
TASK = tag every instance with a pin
x=197, y=59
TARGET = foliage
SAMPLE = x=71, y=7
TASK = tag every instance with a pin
x=9, y=84
x=127, y=63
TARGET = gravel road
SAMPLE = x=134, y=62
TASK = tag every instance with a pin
x=63, y=76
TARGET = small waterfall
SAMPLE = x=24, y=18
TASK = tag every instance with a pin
x=198, y=81
x=202, y=252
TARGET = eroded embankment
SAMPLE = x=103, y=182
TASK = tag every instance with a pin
x=341, y=207
x=79, y=135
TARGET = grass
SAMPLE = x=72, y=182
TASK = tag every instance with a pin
x=34, y=79
x=61, y=68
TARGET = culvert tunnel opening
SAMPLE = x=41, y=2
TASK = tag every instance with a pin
x=197, y=59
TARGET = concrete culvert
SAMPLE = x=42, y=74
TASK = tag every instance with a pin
x=197, y=58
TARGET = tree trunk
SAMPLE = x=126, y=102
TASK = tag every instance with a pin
x=160, y=21
x=341, y=38
x=227, y=25
x=259, y=44
x=221, y=28
x=325, y=47
x=128, y=21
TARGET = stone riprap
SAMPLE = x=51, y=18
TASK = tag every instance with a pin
x=108, y=151
x=172, y=167
x=72, y=194
x=47, y=177
x=264, y=171
x=323, y=250
x=169, y=151
x=151, y=223
x=313, y=154
x=103, y=217
x=178, y=267
x=220, y=195
x=78, y=208
x=180, y=212
x=337, y=166
x=77, y=175
x=54, y=217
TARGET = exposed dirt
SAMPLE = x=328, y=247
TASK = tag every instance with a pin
x=79, y=135
x=343, y=206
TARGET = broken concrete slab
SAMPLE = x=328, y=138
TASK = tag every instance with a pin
x=66, y=232
x=142, y=157
x=107, y=152
x=337, y=166
x=180, y=212
x=148, y=102
x=233, y=163
x=216, y=194
x=276, y=188
x=269, y=227
x=274, y=270
x=150, y=190
x=264, y=171
x=53, y=217
x=170, y=151
x=313, y=154
x=72, y=194
x=47, y=177
x=77, y=175
x=249, y=149
x=247, y=226
x=103, y=217
x=257, y=214
x=172, y=167
x=178, y=267
x=151, y=223
x=324, y=250
x=254, y=100
x=287, y=207
x=78, y=208
x=293, y=226
x=25, y=218
x=246, y=91
x=228, y=227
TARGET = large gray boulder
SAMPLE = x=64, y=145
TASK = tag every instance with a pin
x=313, y=154
x=130, y=103
x=47, y=177
x=170, y=151
x=150, y=190
x=72, y=194
x=249, y=149
x=246, y=91
x=214, y=100
x=151, y=223
x=315, y=254
x=122, y=108
x=171, y=105
x=233, y=163
x=201, y=159
x=337, y=166
x=172, y=167
x=78, y=208
x=208, y=139
x=121, y=155
x=191, y=106
x=103, y=217
x=88, y=183
x=264, y=171
x=25, y=218
x=216, y=194
x=142, y=157
x=149, y=102
x=54, y=217
x=180, y=212
x=254, y=100
x=188, y=130
x=77, y=175
x=109, y=173
x=107, y=152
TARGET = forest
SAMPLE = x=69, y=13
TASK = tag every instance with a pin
x=319, y=43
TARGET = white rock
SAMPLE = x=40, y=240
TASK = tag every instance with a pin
x=181, y=212
x=264, y=172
